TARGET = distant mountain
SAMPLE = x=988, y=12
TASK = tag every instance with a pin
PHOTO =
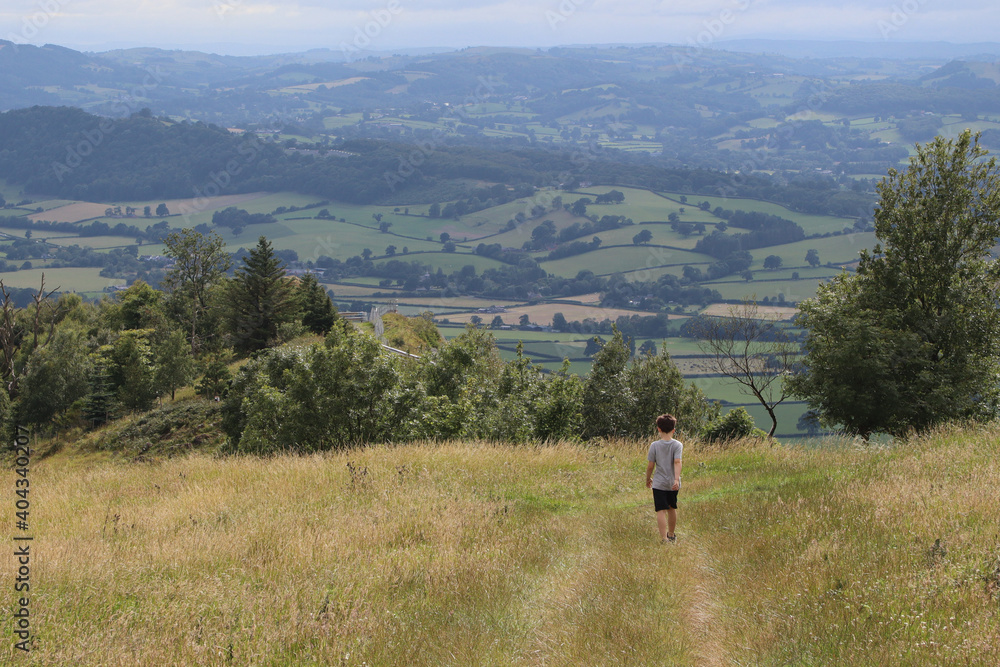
x=26, y=71
x=854, y=49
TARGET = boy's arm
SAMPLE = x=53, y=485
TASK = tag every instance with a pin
x=677, y=474
x=649, y=474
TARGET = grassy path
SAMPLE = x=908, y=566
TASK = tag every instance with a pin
x=471, y=554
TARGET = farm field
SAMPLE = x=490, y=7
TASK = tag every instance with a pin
x=605, y=261
x=19, y=233
x=663, y=235
x=72, y=279
x=542, y=314
x=791, y=290
x=778, y=312
x=838, y=250
x=95, y=242
x=301, y=231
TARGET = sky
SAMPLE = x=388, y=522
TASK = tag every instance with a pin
x=247, y=27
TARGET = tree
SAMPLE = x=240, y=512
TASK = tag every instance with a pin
x=497, y=322
x=173, y=363
x=318, y=312
x=162, y=210
x=772, y=262
x=199, y=262
x=913, y=339
x=390, y=250
x=23, y=331
x=215, y=376
x=54, y=378
x=445, y=237
x=559, y=322
x=746, y=275
x=751, y=349
x=434, y=211
x=812, y=257
x=261, y=299
x=622, y=399
x=366, y=253
x=645, y=236
x=132, y=370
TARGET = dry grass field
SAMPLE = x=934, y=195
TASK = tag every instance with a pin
x=480, y=554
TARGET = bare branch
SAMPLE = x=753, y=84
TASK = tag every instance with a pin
x=752, y=349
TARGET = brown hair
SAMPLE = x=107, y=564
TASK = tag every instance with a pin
x=666, y=423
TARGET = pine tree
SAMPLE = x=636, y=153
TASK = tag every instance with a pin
x=98, y=408
x=318, y=311
x=261, y=300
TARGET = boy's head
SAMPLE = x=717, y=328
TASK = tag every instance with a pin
x=666, y=423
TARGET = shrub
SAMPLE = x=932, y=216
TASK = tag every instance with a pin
x=734, y=425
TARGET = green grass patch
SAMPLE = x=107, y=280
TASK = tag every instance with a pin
x=74, y=279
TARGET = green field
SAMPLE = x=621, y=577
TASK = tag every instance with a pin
x=36, y=234
x=605, y=261
x=95, y=242
x=837, y=250
x=84, y=279
x=793, y=290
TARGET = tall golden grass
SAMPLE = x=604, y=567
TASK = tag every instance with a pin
x=477, y=554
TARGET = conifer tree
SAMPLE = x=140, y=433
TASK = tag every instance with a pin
x=261, y=299
x=318, y=311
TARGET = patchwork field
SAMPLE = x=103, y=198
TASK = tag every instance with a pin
x=351, y=229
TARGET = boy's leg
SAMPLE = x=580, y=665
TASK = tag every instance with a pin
x=661, y=523
x=671, y=522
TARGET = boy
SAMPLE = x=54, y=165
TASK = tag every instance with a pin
x=665, y=458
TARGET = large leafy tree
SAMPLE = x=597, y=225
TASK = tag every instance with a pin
x=913, y=338
x=199, y=263
x=261, y=299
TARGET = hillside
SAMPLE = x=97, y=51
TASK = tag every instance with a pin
x=465, y=553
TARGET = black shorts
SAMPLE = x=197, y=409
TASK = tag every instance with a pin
x=664, y=500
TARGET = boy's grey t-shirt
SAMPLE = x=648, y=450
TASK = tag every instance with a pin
x=663, y=453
